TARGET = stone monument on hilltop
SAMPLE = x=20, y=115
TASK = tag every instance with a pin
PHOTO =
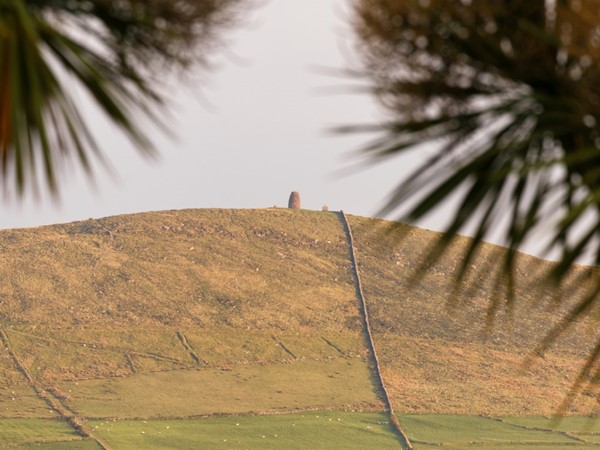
x=294, y=202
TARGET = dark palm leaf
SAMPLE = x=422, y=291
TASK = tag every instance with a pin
x=110, y=48
x=507, y=92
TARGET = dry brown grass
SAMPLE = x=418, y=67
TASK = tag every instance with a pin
x=437, y=354
x=244, y=389
x=258, y=269
x=171, y=309
x=17, y=397
x=434, y=376
x=103, y=301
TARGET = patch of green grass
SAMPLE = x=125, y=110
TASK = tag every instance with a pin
x=564, y=424
x=513, y=446
x=17, y=432
x=83, y=444
x=323, y=347
x=585, y=428
x=322, y=430
x=339, y=383
x=217, y=347
x=590, y=438
x=159, y=340
x=73, y=354
x=449, y=430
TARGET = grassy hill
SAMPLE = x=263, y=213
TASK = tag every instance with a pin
x=130, y=326
x=439, y=355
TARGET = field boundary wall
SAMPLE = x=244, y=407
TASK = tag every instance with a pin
x=71, y=418
x=364, y=312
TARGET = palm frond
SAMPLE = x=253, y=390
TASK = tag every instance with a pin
x=111, y=49
x=506, y=95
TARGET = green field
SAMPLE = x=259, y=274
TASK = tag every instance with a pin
x=327, y=430
x=316, y=430
x=23, y=432
x=469, y=432
x=83, y=444
x=586, y=429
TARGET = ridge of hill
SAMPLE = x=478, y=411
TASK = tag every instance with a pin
x=251, y=311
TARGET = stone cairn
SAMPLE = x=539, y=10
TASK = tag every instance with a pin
x=325, y=208
x=294, y=202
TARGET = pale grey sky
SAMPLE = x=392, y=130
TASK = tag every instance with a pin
x=264, y=136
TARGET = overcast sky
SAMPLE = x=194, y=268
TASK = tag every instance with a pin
x=264, y=135
x=248, y=132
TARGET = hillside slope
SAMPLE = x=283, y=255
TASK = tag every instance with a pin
x=210, y=311
x=185, y=268
x=245, y=311
x=437, y=351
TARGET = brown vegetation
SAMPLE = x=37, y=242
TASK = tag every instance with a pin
x=223, y=294
x=437, y=350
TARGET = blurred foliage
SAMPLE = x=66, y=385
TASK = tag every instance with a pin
x=503, y=98
x=117, y=51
